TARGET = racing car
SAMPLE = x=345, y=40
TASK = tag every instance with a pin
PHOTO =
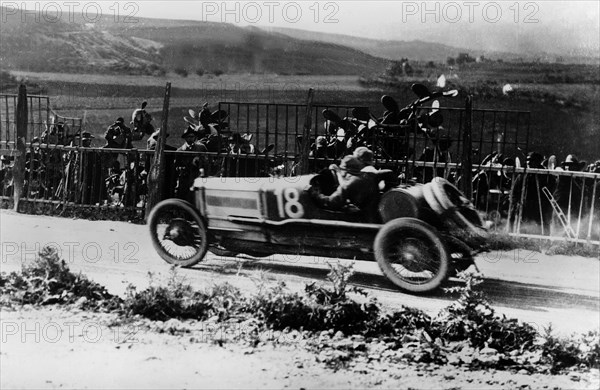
x=423, y=233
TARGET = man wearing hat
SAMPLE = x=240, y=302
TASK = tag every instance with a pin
x=356, y=188
x=191, y=145
x=568, y=192
x=86, y=139
x=536, y=210
x=571, y=163
x=118, y=136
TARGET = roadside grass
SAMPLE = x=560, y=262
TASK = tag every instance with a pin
x=339, y=321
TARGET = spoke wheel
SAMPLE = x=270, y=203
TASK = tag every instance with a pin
x=411, y=254
x=178, y=232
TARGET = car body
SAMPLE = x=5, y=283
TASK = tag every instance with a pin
x=418, y=239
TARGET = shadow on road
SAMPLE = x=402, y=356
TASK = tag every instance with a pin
x=526, y=296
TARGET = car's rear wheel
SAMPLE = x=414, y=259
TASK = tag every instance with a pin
x=178, y=232
x=411, y=255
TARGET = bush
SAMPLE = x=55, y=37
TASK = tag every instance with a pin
x=218, y=72
x=179, y=300
x=562, y=353
x=321, y=308
x=181, y=72
x=200, y=72
x=49, y=281
x=472, y=318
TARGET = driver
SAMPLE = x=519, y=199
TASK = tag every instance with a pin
x=356, y=188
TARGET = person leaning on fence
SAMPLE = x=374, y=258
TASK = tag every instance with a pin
x=191, y=143
x=356, y=190
x=568, y=193
x=188, y=166
x=118, y=136
x=536, y=210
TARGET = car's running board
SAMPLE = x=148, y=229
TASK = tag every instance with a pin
x=316, y=222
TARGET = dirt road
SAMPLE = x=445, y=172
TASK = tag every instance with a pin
x=52, y=347
x=530, y=286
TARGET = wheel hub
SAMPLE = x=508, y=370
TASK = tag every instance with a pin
x=180, y=232
x=411, y=256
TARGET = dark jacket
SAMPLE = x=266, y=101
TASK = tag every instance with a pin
x=118, y=136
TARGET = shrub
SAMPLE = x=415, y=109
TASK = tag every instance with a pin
x=320, y=308
x=562, y=353
x=200, y=72
x=472, y=318
x=181, y=72
x=218, y=72
x=179, y=300
x=49, y=281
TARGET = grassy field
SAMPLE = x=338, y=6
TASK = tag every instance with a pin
x=565, y=116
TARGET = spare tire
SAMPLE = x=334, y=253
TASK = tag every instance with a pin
x=397, y=203
x=447, y=200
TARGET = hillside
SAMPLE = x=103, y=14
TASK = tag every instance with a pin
x=153, y=46
x=422, y=50
x=393, y=50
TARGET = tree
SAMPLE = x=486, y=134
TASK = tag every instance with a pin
x=464, y=58
x=450, y=61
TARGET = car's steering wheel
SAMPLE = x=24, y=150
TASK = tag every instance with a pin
x=326, y=181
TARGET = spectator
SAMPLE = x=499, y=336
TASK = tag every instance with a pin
x=568, y=193
x=534, y=206
x=191, y=145
x=118, y=136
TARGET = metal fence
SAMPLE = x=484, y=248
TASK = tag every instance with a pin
x=541, y=203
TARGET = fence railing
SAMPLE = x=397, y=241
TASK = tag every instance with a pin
x=518, y=201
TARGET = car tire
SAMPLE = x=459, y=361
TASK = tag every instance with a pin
x=184, y=225
x=444, y=198
x=411, y=254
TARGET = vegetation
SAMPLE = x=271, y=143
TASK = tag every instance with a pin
x=338, y=319
x=181, y=72
x=49, y=281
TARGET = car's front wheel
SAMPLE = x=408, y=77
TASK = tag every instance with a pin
x=178, y=232
x=411, y=254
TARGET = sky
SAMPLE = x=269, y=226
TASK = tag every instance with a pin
x=517, y=26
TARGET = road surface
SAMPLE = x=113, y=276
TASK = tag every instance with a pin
x=530, y=286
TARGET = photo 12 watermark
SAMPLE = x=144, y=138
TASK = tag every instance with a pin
x=270, y=12
x=71, y=251
x=515, y=255
x=65, y=331
x=470, y=11
x=69, y=11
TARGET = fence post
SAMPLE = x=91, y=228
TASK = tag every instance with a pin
x=156, y=176
x=304, y=152
x=19, y=167
x=467, y=176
